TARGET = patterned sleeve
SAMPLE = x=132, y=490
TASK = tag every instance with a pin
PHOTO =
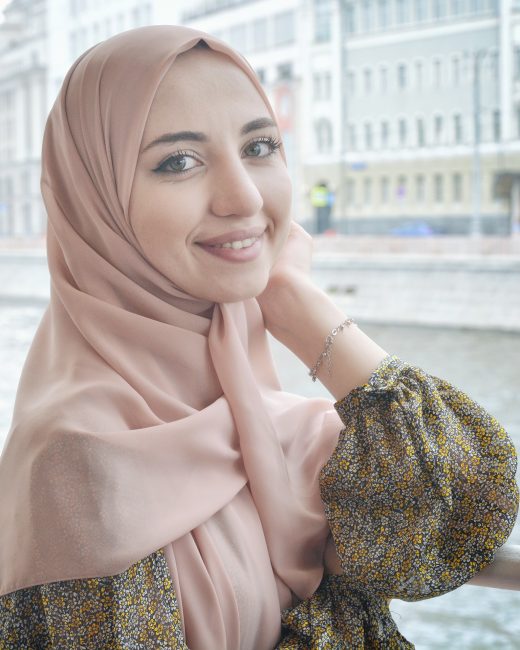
x=135, y=609
x=419, y=493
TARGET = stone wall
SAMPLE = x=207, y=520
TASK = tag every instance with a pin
x=400, y=282
x=449, y=290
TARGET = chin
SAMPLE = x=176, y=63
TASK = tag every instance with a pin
x=239, y=293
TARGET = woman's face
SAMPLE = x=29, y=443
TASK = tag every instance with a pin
x=210, y=203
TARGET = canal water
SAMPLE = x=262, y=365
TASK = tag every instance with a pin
x=486, y=364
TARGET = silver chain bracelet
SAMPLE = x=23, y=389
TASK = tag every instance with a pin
x=326, y=350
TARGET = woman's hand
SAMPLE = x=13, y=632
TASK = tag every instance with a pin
x=291, y=268
x=300, y=315
x=295, y=256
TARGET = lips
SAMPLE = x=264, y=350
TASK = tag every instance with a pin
x=234, y=236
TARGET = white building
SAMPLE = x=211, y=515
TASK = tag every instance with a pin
x=39, y=40
x=273, y=35
x=384, y=94
x=23, y=104
x=377, y=97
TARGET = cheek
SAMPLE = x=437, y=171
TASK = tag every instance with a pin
x=158, y=220
x=279, y=196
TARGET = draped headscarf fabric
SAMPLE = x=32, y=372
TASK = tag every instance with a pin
x=139, y=422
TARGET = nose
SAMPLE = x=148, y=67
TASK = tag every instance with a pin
x=234, y=191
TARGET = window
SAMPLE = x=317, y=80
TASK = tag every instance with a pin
x=419, y=74
x=457, y=7
x=384, y=134
x=437, y=73
x=317, y=86
x=401, y=76
x=27, y=219
x=350, y=18
x=368, y=136
x=517, y=63
x=352, y=136
x=439, y=9
x=383, y=15
x=421, y=7
x=351, y=82
x=322, y=85
x=284, y=71
x=402, y=11
x=420, y=132
x=496, y=126
x=438, y=188
x=383, y=78
x=455, y=70
x=457, y=128
x=402, y=132
x=260, y=34
x=438, y=127
x=367, y=191
x=366, y=15
x=326, y=85
x=457, y=188
x=323, y=131
x=351, y=191
x=284, y=28
x=400, y=190
x=367, y=75
x=384, y=187
x=322, y=17
x=420, y=187
x=260, y=73
x=493, y=63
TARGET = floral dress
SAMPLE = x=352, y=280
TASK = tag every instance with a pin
x=419, y=493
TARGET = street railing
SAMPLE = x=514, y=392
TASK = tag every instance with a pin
x=503, y=572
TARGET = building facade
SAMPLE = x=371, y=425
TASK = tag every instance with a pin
x=39, y=40
x=23, y=104
x=429, y=119
x=271, y=35
x=409, y=110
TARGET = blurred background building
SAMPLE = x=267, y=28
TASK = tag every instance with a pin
x=407, y=110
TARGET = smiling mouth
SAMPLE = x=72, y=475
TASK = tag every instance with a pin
x=237, y=244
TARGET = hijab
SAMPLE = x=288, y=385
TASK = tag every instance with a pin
x=138, y=418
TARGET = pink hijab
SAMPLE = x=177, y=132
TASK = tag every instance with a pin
x=139, y=423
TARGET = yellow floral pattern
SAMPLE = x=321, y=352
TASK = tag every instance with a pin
x=136, y=610
x=419, y=493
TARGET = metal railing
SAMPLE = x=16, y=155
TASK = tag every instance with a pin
x=503, y=572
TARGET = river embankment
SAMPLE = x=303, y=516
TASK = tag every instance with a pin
x=434, y=281
x=448, y=282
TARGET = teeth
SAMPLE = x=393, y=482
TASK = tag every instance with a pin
x=245, y=243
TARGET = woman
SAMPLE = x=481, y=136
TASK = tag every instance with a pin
x=163, y=491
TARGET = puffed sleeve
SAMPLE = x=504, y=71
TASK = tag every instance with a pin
x=134, y=609
x=419, y=493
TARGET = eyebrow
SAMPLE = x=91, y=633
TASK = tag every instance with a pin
x=198, y=136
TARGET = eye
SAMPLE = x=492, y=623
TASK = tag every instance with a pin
x=262, y=147
x=177, y=164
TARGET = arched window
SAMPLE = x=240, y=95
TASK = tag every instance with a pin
x=323, y=130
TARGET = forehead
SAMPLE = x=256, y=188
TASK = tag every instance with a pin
x=206, y=85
